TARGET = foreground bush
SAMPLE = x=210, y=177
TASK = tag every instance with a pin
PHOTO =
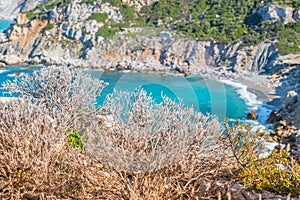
x=54, y=144
x=152, y=150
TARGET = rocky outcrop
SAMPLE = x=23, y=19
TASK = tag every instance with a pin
x=275, y=13
x=296, y=15
x=288, y=80
x=265, y=57
x=286, y=120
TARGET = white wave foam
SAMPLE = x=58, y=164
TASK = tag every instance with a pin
x=15, y=74
x=2, y=71
x=125, y=71
x=249, y=98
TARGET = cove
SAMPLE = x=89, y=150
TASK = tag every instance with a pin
x=205, y=95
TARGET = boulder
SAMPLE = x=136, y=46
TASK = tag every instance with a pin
x=252, y=115
x=275, y=13
x=273, y=117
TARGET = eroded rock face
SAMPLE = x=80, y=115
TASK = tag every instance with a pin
x=265, y=57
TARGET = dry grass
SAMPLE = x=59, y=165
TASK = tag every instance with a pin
x=164, y=151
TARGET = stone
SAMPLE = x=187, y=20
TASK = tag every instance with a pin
x=296, y=15
x=290, y=100
x=2, y=65
x=283, y=123
x=275, y=13
x=252, y=115
x=273, y=117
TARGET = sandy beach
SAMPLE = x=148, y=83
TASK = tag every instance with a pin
x=260, y=86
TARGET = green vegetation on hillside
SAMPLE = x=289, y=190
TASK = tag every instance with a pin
x=99, y=17
x=289, y=39
x=44, y=8
x=222, y=20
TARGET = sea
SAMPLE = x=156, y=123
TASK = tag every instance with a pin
x=4, y=23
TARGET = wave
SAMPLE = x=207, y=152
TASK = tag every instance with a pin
x=15, y=74
x=249, y=98
x=3, y=71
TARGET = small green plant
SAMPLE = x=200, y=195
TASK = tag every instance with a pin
x=23, y=25
x=74, y=139
x=127, y=12
x=99, y=17
x=49, y=26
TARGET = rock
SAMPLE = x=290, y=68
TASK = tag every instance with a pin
x=237, y=68
x=2, y=65
x=283, y=123
x=12, y=60
x=10, y=9
x=265, y=57
x=290, y=100
x=252, y=115
x=275, y=13
x=296, y=15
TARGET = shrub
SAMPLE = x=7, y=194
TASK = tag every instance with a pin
x=99, y=17
x=49, y=26
x=155, y=134
x=74, y=139
x=127, y=12
x=59, y=89
x=175, y=149
x=278, y=172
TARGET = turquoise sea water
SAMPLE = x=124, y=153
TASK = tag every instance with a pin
x=4, y=24
x=207, y=96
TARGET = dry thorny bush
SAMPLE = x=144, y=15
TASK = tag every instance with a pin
x=136, y=150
